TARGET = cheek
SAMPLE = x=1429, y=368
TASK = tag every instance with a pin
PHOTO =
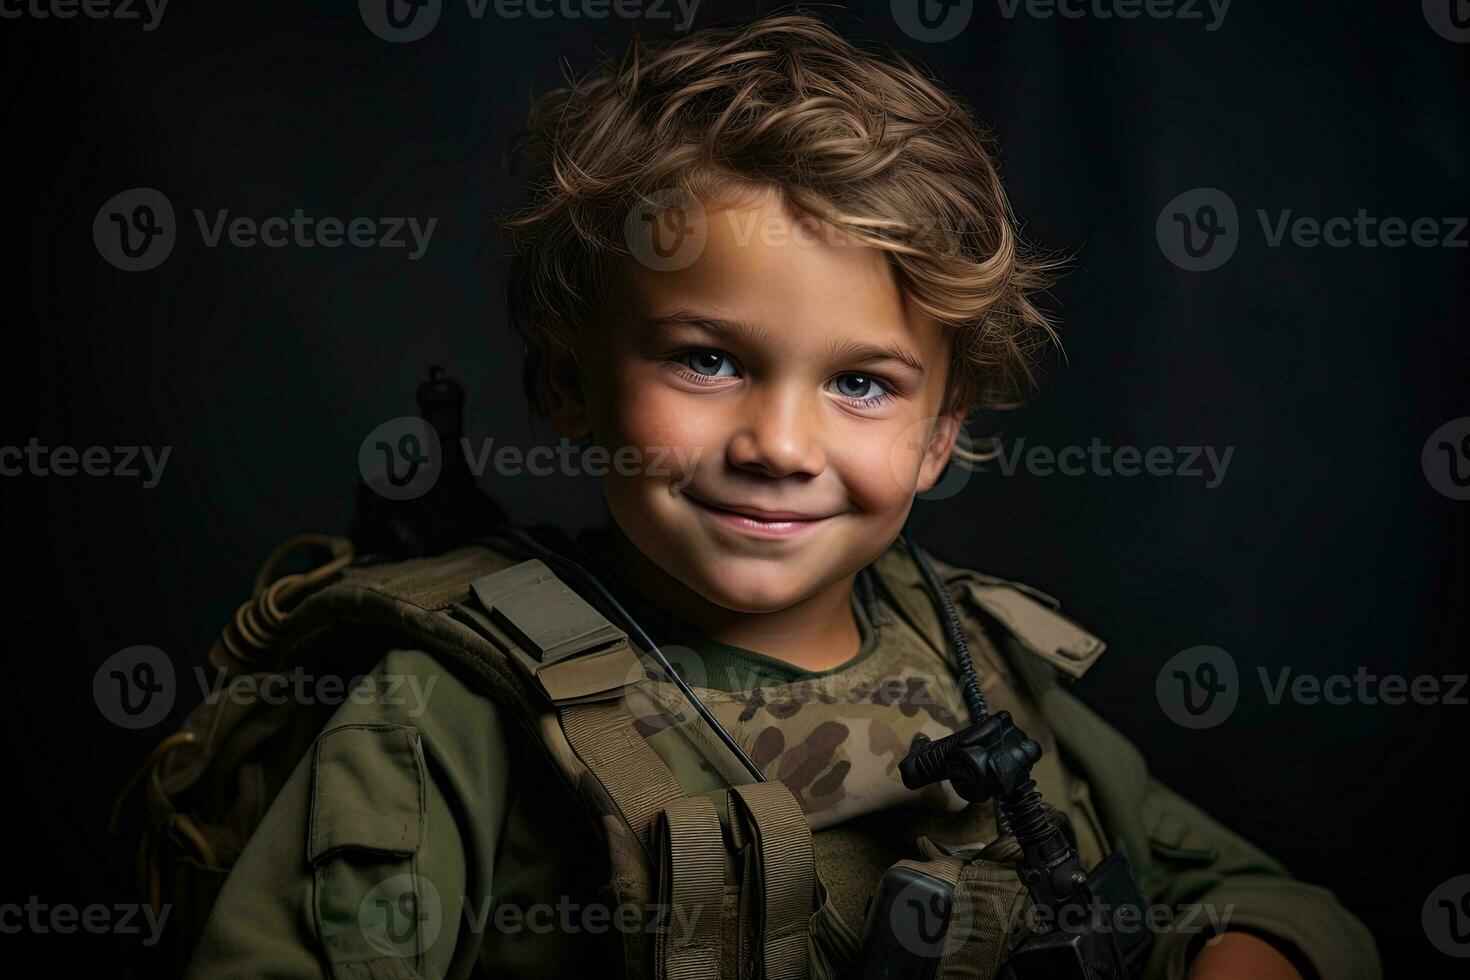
x=881, y=469
x=633, y=413
x=660, y=421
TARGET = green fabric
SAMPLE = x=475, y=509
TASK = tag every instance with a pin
x=1184, y=857
x=491, y=826
x=284, y=914
x=373, y=912
x=367, y=791
x=710, y=663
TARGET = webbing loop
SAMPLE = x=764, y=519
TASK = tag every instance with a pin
x=771, y=821
x=692, y=886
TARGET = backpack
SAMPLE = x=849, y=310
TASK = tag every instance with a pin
x=206, y=787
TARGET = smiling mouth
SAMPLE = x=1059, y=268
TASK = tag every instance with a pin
x=755, y=522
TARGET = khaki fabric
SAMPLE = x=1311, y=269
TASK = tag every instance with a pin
x=521, y=884
x=778, y=875
x=691, y=856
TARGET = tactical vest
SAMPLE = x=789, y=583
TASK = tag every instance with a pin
x=682, y=824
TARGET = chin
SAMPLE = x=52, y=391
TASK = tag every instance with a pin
x=749, y=586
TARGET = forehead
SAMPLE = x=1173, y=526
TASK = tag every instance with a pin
x=802, y=283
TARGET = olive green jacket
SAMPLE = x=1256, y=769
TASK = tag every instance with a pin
x=432, y=788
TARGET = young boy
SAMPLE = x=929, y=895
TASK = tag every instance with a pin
x=783, y=270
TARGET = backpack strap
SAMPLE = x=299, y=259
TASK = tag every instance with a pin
x=565, y=646
x=635, y=777
x=582, y=664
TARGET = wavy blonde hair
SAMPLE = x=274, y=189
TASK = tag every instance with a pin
x=861, y=139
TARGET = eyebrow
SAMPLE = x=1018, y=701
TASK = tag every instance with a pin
x=740, y=330
x=734, y=329
x=892, y=351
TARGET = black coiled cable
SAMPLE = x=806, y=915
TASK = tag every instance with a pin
x=969, y=681
x=1026, y=816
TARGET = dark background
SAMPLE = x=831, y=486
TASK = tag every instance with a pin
x=1325, y=548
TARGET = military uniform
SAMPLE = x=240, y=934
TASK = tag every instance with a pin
x=511, y=875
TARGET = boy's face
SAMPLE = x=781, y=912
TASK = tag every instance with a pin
x=785, y=399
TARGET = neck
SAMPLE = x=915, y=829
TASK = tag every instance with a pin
x=815, y=634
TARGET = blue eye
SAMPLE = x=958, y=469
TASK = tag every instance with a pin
x=711, y=364
x=860, y=387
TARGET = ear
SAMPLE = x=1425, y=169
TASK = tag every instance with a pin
x=938, y=449
x=566, y=397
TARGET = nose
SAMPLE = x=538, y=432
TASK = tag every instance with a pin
x=779, y=436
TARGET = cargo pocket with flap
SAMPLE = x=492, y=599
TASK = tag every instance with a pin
x=374, y=914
